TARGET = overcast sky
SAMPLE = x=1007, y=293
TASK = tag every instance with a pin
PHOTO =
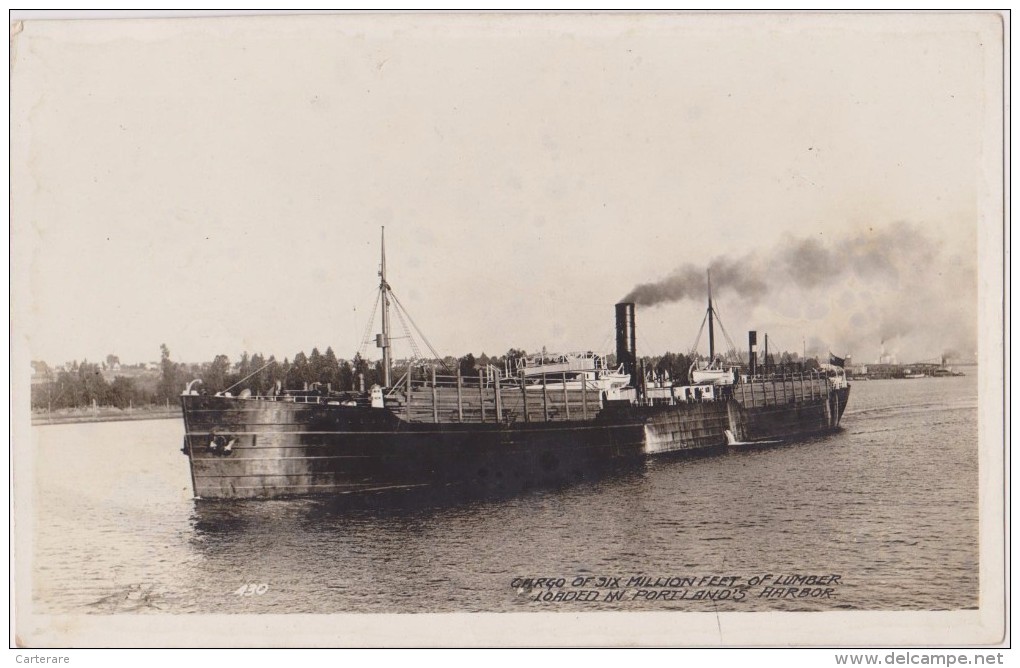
x=219, y=185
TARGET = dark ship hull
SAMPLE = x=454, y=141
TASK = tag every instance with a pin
x=542, y=424
x=289, y=446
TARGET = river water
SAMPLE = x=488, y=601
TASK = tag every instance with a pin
x=883, y=515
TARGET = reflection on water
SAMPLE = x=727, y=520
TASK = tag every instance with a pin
x=889, y=504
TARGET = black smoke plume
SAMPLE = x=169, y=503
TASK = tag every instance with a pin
x=910, y=281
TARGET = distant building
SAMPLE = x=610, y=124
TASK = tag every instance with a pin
x=857, y=370
x=885, y=370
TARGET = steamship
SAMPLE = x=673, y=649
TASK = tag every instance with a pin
x=547, y=420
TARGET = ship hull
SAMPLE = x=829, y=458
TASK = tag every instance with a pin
x=252, y=448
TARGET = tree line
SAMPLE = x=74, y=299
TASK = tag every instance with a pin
x=84, y=384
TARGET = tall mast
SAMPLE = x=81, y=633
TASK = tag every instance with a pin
x=711, y=330
x=384, y=292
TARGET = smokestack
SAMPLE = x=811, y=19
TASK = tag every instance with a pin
x=626, y=343
x=752, y=347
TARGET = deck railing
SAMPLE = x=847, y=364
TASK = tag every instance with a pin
x=496, y=399
x=303, y=399
x=778, y=389
x=492, y=398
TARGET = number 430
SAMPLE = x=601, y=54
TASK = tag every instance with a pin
x=252, y=589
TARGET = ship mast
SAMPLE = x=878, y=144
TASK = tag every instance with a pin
x=384, y=293
x=711, y=330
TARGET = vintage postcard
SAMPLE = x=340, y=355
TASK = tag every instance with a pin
x=508, y=329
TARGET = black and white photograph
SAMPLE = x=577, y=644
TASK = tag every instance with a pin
x=508, y=329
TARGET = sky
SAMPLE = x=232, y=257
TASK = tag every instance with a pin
x=219, y=185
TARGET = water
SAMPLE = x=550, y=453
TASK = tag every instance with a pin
x=889, y=504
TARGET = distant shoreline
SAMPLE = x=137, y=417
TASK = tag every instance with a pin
x=103, y=415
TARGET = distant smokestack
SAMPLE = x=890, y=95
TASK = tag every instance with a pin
x=752, y=347
x=626, y=342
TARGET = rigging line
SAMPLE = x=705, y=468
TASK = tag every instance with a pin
x=418, y=329
x=415, y=352
x=697, y=339
x=726, y=334
x=373, y=295
x=653, y=344
x=774, y=347
x=368, y=327
x=248, y=376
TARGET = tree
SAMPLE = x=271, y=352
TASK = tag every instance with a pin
x=466, y=365
x=166, y=368
x=509, y=360
x=677, y=365
x=360, y=371
x=330, y=373
x=244, y=368
x=93, y=387
x=346, y=376
x=112, y=361
x=274, y=373
x=123, y=392
x=316, y=369
x=299, y=372
x=259, y=382
x=215, y=377
x=375, y=375
x=67, y=393
x=284, y=371
x=173, y=377
x=42, y=395
x=41, y=369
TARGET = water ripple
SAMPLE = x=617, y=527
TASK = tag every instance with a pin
x=889, y=504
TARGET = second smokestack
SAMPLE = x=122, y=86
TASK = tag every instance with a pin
x=626, y=341
x=752, y=347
